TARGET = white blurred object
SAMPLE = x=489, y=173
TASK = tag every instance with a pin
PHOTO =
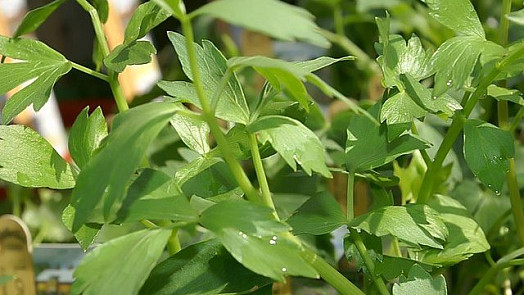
x=12, y=8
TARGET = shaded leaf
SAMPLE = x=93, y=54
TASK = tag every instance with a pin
x=137, y=253
x=133, y=53
x=231, y=105
x=86, y=234
x=85, y=135
x=320, y=215
x=416, y=224
x=194, y=168
x=203, y=268
x=105, y=176
x=287, y=204
x=458, y=15
x=102, y=7
x=29, y=160
x=40, y=67
x=267, y=17
x=487, y=150
x=500, y=93
x=392, y=267
x=420, y=282
x=34, y=18
x=293, y=141
x=146, y=17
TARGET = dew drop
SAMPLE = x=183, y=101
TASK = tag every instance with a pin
x=240, y=233
x=449, y=83
x=497, y=193
x=244, y=236
x=284, y=269
x=274, y=238
x=489, y=185
x=272, y=242
x=434, y=97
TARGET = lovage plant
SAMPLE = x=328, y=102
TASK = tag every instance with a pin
x=248, y=230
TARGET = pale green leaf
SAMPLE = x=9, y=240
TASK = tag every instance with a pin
x=87, y=233
x=267, y=17
x=249, y=231
x=86, y=135
x=193, y=131
x=136, y=253
x=321, y=62
x=231, y=105
x=414, y=224
x=487, y=150
x=29, y=160
x=154, y=195
x=516, y=17
x=293, y=141
x=500, y=93
x=105, y=177
x=458, y=15
x=132, y=53
x=400, y=108
x=34, y=18
x=465, y=235
x=320, y=215
x=420, y=282
x=41, y=67
x=202, y=268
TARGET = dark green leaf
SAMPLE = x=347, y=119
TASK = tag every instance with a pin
x=87, y=232
x=267, y=17
x=29, y=160
x=392, y=267
x=500, y=93
x=146, y=17
x=487, y=150
x=364, y=133
x=374, y=250
x=133, y=53
x=287, y=204
x=293, y=141
x=416, y=224
x=465, y=235
x=458, y=15
x=231, y=105
x=252, y=235
x=420, y=282
x=319, y=215
x=194, y=168
x=102, y=7
x=136, y=253
x=86, y=135
x=106, y=175
x=153, y=195
x=193, y=131
x=42, y=66
x=203, y=268
x=34, y=18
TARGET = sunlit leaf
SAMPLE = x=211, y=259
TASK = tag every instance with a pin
x=458, y=15
x=500, y=93
x=86, y=135
x=420, y=282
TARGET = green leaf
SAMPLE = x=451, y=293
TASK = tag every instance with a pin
x=281, y=74
x=29, y=160
x=106, y=175
x=516, y=17
x=500, y=93
x=175, y=7
x=455, y=60
x=293, y=141
x=364, y=133
x=415, y=224
x=319, y=215
x=41, y=66
x=34, y=18
x=133, y=53
x=392, y=267
x=193, y=131
x=487, y=150
x=194, y=168
x=465, y=235
x=136, y=253
x=153, y=195
x=267, y=17
x=254, y=238
x=146, y=17
x=287, y=204
x=5, y=279
x=231, y=105
x=321, y=62
x=86, y=135
x=86, y=234
x=203, y=268
x=458, y=15
x=102, y=7
x=400, y=108
x=420, y=282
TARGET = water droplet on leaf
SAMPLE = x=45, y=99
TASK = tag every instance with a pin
x=449, y=83
x=272, y=242
x=284, y=269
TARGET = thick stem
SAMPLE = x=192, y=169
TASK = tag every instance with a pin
x=261, y=174
x=379, y=283
x=350, y=213
x=118, y=93
x=235, y=167
x=331, y=275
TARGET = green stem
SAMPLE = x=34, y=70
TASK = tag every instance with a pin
x=235, y=167
x=173, y=244
x=118, y=93
x=516, y=201
x=330, y=275
x=379, y=283
x=491, y=273
x=424, y=153
x=516, y=120
x=261, y=174
x=149, y=224
x=89, y=71
x=338, y=19
x=350, y=213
